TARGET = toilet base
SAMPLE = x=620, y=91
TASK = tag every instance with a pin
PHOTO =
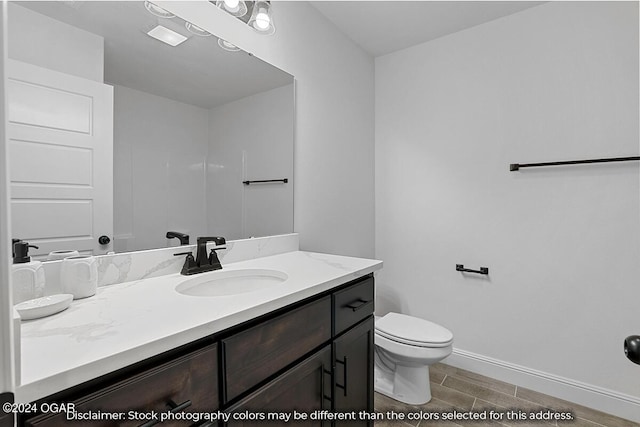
x=407, y=384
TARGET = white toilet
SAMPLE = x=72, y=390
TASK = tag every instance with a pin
x=405, y=346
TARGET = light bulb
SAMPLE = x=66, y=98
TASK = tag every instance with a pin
x=232, y=5
x=261, y=18
x=262, y=21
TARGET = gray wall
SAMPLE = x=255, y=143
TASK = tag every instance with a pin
x=555, y=82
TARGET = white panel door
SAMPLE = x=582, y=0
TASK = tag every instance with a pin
x=60, y=136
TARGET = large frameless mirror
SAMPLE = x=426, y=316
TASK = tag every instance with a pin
x=125, y=124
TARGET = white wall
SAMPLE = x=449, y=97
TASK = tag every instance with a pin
x=251, y=139
x=333, y=159
x=46, y=42
x=555, y=82
x=180, y=167
x=160, y=149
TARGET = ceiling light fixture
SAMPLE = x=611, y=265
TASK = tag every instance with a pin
x=261, y=20
x=157, y=10
x=194, y=29
x=167, y=36
x=228, y=46
x=236, y=8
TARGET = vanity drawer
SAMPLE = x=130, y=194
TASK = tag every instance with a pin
x=253, y=355
x=305, y=388
x=353, y=304
x=191, y=378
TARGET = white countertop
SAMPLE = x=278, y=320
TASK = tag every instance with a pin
x=129, y=322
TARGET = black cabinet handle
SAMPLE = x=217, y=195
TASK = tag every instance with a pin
x=359, y=304
x=324, y=396
x=343, y=386
x=104, y=240
x=175, y=408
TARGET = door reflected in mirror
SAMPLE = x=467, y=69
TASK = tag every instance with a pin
x=115, y=132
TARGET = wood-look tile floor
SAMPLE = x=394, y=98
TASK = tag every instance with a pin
x=464, y=391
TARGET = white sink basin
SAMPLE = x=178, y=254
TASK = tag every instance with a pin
x=231, y=282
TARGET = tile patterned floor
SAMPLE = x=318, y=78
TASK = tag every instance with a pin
x=457, y=389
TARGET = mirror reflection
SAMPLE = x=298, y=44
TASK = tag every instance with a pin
x=124, y=125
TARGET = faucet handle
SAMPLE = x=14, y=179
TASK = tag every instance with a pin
x=189, y=263
x=184, y=253
x=189, y=260
x=217, y=240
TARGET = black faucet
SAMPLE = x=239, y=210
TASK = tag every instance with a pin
x=184, y=238
x=203, y=262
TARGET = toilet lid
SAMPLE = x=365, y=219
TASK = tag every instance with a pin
x=413, y=331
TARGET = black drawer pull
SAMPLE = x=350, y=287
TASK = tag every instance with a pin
x=343, y=386
x=324, y=396
x=357, y=305
x=174, y=409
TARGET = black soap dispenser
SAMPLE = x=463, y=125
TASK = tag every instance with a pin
x=13, y=247
x=27, y=276
x=21, y=252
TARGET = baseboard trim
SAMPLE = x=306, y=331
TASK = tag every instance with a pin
x=598, y=398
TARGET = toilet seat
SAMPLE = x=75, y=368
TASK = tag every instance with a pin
x=413, y=331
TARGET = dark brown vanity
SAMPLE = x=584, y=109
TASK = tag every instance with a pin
x=311, y=356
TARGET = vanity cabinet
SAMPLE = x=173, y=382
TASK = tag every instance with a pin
x=313, y=355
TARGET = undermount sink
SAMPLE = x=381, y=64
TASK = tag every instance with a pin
x=231, y=282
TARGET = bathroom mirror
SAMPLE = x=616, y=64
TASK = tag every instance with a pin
x=187, y=126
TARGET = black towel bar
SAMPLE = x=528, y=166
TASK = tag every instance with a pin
x=518, y=166
x=483, y=270
x=263, y=181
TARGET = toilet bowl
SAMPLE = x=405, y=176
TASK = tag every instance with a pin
x=405, y=346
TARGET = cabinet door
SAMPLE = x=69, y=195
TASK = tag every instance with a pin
x=303, y=389
x=353, y=373
x=187, y=384
x=253, y=355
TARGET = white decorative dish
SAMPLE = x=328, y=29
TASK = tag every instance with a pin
x=45, y=306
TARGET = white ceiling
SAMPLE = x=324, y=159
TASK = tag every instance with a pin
x=382, y=27
x=196, y=72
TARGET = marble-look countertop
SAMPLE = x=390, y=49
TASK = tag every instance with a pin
x=132, y=321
